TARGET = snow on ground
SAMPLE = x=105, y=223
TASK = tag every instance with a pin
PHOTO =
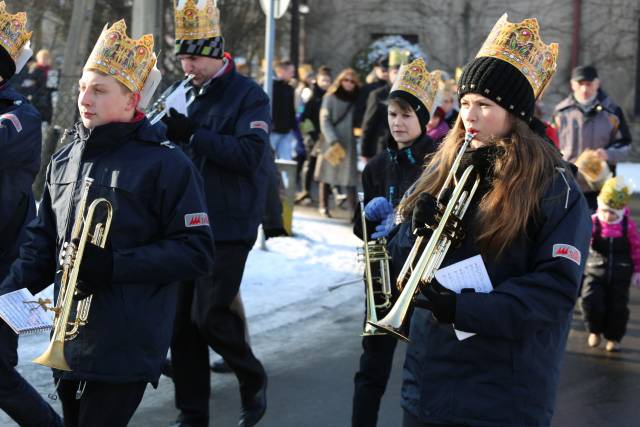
x=284, y=284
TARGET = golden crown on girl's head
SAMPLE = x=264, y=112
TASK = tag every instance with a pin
x=196, y=20
x=13, y=31
x=128, y=60
x=520, y=45
x=414, y=78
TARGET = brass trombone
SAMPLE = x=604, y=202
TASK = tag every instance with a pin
x=415, y=274
x=63, y=329
x=374, y=252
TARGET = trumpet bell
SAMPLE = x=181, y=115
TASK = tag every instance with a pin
x=53, y=357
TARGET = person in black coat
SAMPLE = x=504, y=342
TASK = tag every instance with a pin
x=159, y=236
x=381, y=79
x=386, y=177
x=20, y=143
x=226, y=135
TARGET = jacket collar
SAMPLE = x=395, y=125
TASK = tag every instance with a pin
x=114, y=134
x=413, y=154
x=8, y=93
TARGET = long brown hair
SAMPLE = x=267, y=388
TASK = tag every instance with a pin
x=336, y=86
x=521, y=175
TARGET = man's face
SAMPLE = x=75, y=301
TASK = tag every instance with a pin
x=202, y=67
x=323, y=81
x=102, y=100
x=285, y=72
x=585, y=90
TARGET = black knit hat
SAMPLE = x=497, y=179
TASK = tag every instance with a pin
x=501, y=82
x=7, y=65
x=212, y=47
x=418, y=107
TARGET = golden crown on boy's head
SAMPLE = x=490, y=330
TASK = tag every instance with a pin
x=414, y=78
x=520, y=45
x=397, y=56
x=13, y=31
x=196, y=20
x=128, y=60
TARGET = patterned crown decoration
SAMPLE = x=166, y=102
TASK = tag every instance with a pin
x=615, y=193
x=129, y=61
x=414, y=78
x=196, y=20
x=521, y=46
x=13, y=31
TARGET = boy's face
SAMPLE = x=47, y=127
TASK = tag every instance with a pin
x=404, y=124
x=102, y=100
x=202, y=67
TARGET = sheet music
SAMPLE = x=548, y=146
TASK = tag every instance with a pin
x=468, y=273
x=23, y=314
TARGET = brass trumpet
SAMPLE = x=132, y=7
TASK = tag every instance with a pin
x=415, y=274
x=159, y=108
x=63, y=329
x=374, y=252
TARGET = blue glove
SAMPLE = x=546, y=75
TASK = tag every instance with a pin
x=377, y=209
x=384, y=228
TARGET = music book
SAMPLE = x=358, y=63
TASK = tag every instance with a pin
x=24, y=313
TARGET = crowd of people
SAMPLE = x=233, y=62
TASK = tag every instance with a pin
x=546, y=214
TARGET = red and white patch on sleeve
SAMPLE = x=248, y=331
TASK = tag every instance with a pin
x=567, y=251
x=259, y=125
x=196, y=220
x=13, y=119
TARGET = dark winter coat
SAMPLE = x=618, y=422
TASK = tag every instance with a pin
x=231, y=150
x=507, y=374
x=283, y=107
x=375, y=126
x=360, y=108
x=159, y=236
x=390, y=173
x=20, y=143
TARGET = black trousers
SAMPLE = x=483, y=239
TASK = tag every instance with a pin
x=100, y=404
x=17, y=397
x=371, y=379
x=204, y=319
x=605, y=307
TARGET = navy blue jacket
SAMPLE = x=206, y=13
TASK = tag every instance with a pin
x=156, y=194
x=231, y=149
x=20, y=143
x=507, y=374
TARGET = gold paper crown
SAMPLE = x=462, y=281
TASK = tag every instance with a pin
x=414, y=78
x=129, y=61
x=13, y=31
x=193, y=23
x=615, y=193
x=398, y=57
x=521, y=46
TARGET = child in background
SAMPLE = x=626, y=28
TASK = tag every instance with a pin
x=614, y=263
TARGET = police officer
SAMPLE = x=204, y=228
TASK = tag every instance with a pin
x=20, y=140
x=226, y=135
x=159, y=235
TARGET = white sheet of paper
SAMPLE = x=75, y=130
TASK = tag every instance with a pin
x=468, y=273
x=177, y=100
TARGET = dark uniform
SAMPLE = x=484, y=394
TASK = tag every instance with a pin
x=507, y=374
x=159, y=236
x=388, y=174
x=605, y=293
x=230, y=148
x=20, y=141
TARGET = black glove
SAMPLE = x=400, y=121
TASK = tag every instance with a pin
x=180, y=128
x=96, y=271
x=425, y=214
x=440, y=300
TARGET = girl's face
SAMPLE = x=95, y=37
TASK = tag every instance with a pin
x=607, y=215
x=404, y=125
x=348, y=83
x=485, y=117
